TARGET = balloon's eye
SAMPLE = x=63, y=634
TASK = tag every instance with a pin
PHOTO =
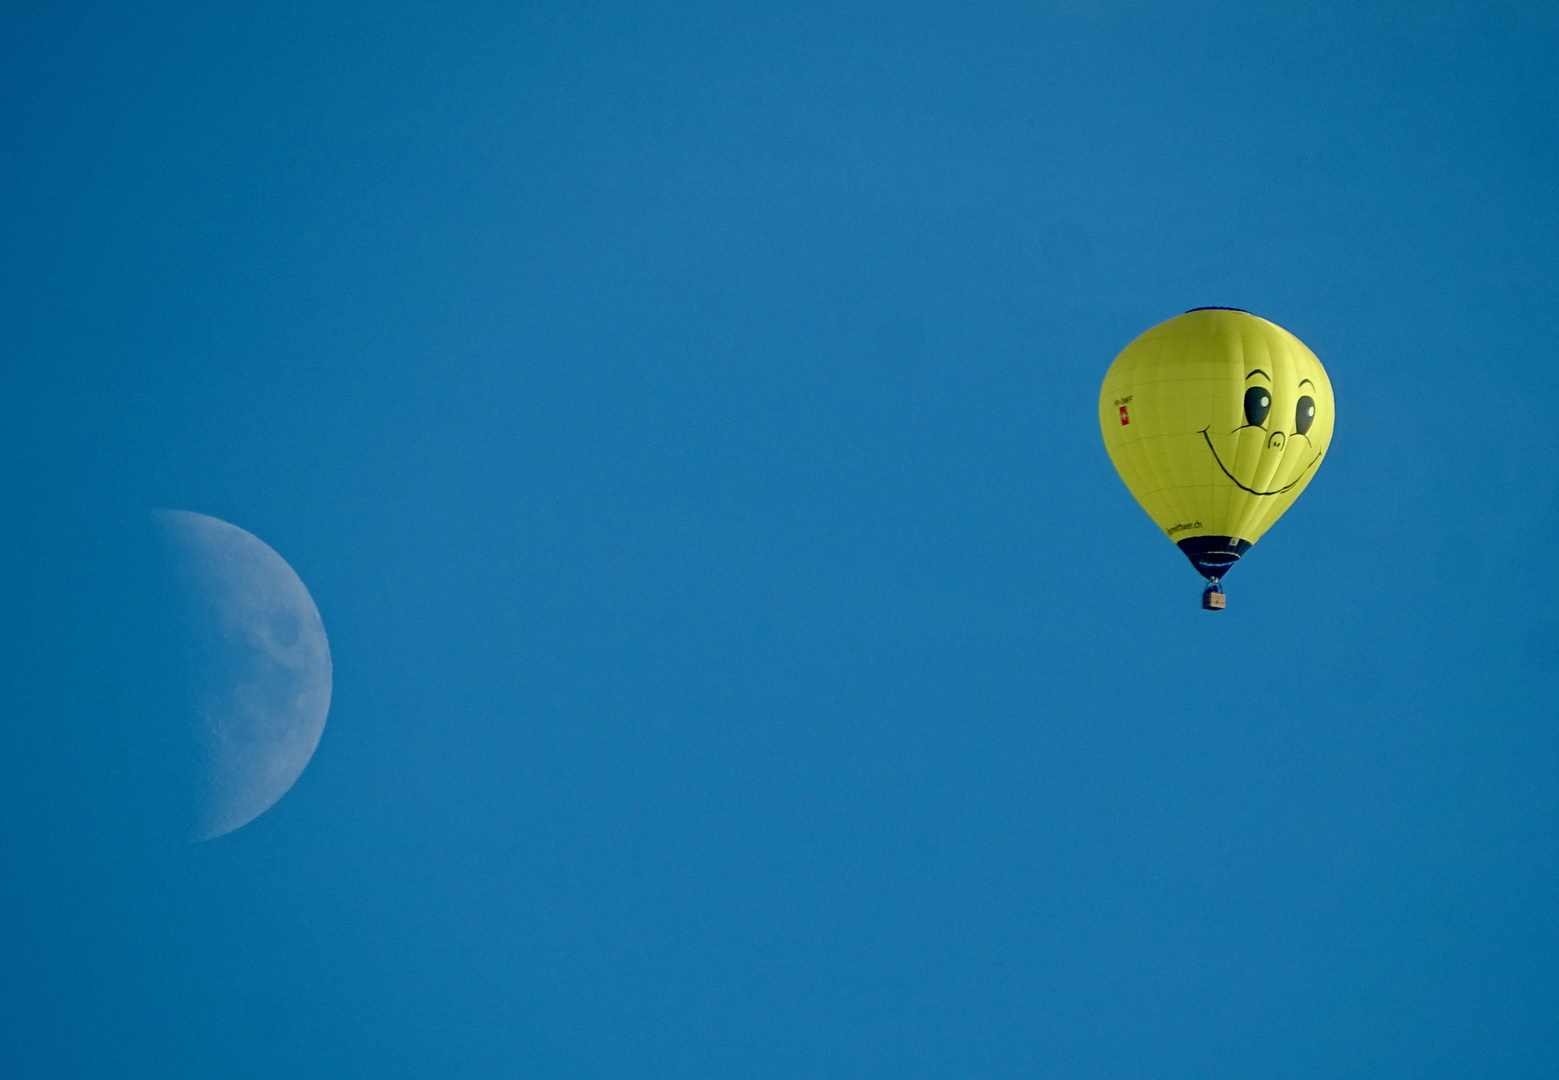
x=1304, y=415
x=1258, y=403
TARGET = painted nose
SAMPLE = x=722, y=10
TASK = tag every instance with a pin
x=1276, y=440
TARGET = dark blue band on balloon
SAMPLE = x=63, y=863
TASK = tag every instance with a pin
x=1213, y=555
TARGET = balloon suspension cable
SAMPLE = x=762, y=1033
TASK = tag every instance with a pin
x=1212, y=596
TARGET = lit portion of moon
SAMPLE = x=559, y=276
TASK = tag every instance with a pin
x=261, y=668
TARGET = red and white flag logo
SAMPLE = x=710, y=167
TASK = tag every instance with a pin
x=1124, y=418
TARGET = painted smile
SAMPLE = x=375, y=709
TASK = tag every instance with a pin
x=1252, y=490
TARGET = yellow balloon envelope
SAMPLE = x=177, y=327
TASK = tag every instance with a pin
x=1216, y=420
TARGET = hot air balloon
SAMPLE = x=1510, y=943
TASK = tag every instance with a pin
x=1216, y=420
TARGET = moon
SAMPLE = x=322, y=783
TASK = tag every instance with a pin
x=259, y=667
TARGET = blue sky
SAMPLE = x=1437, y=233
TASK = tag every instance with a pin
x=747, y=662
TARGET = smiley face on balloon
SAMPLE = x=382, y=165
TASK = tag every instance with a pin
x=1216, y=420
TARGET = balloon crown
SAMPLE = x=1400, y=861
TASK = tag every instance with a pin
x=1215, y=307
